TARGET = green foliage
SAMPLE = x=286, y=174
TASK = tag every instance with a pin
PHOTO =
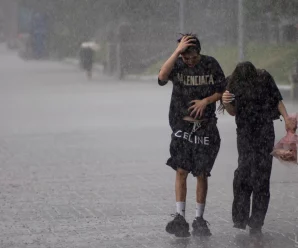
x=280, y=8
x=276, y=59
x=73, y=21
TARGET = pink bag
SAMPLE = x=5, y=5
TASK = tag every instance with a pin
x=286, y=149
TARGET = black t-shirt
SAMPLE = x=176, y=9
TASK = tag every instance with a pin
x=197, y=83
x=256, y=103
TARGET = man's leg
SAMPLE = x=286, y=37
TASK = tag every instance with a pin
x=200, y=227
x=201, y=193
x=181, y=190
x=180, y=161
x=179, y=226
x=204, y=156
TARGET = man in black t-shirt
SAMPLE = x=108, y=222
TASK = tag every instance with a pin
x=198, y=83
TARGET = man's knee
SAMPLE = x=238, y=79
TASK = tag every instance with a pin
x=182, y=174
x=203, y=177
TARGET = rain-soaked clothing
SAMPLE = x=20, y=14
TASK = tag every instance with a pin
x=193, y=148
x=197, y=83
x=253, y=174
x=256, y=104
x=255, y=111
x=194, y=151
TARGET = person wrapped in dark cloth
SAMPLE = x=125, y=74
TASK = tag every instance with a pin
x=254, y=99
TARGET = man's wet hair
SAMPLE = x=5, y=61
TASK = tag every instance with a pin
x=196, y=48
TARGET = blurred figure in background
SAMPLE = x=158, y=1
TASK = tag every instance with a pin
x=87, y=56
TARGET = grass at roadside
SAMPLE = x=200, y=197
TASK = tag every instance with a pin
x=276, y=59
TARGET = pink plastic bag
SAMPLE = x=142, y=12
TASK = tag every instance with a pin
x=286, y=149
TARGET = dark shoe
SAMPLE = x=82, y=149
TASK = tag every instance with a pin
x=178, y=226
x=200, y=227
x=240, y=225
x=256, y=232
x=255, y=228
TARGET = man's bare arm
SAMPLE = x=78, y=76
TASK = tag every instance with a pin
x=214, y=98
x=168, y=66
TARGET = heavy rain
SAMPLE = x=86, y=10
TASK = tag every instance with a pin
x=148, y=123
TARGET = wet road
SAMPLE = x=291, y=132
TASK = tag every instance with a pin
x=83, y=165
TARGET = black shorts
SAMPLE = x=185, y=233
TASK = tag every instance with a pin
x=196, y=151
